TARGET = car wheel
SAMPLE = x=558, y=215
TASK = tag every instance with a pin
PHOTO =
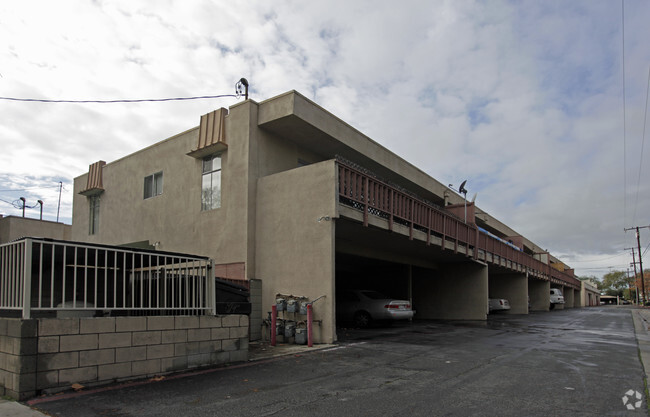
x=552, y=306
x=362, y=319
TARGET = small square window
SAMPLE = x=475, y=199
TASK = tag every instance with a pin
x=153, y=185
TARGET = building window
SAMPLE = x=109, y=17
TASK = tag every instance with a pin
x=211, y=183
x=94, y=215
x=153, y=185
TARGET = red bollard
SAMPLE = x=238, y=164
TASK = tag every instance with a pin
x=310, y=341
x=274, y=313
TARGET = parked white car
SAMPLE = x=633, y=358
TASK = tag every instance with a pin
x=556, y=297
x=364, y=306
x=496, y=304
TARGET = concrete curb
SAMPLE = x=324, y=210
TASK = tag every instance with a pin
x=16, y=409
x=641, y=318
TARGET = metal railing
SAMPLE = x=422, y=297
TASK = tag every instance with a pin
x=49, y=275
x=372, y=196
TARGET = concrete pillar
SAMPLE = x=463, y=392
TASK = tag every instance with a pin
x=539, y=293
x=512, y=287
x=257, y=314
x=569, y=299
x=456, y=291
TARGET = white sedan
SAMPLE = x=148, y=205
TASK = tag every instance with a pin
x=496, y=304
x=364, y=306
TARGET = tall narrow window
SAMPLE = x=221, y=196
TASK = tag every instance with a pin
x=211, y=183
x=94, y=215
x=153, y=185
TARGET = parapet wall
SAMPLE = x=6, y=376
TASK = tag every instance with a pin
x=51, y=354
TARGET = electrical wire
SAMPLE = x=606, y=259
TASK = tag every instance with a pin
x=29, y=189
x=38, y=100
x=624, y=115
x=5, y=201
x=601, y=259
x=645, y=119
x=19, y=205
x=604, y=267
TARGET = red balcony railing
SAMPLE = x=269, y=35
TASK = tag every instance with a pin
x=373, y=196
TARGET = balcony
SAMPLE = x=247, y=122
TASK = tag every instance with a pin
x=361, y=190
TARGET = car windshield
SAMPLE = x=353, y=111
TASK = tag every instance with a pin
x=375, y=295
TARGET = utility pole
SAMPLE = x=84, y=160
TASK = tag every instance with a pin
x=59, y=207
x=638, y=244
x=634, y=265
x=629, y=286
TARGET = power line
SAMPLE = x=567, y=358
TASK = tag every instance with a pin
x=602, y=268
x=5, y=201
x=31, y=188
x=624, y=114
x=38, y=100
x=241, y=89
x=645, y=119
x=598, y=260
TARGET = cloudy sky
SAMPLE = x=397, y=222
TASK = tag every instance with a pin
x=540, y=105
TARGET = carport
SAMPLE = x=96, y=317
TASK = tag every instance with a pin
x=513, y=286
x=439, y=283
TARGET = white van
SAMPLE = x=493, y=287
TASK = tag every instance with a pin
x=556, y=297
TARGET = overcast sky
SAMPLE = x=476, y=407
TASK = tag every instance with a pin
x=523, y=99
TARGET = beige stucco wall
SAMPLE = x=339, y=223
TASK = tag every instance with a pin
x=173, y=218
x=514, y=288
x=589, y=291
x=295, y=251
x=538, y=291
x=458, y=291
x=12, y=228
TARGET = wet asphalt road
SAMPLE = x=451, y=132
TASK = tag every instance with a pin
x=577, y=362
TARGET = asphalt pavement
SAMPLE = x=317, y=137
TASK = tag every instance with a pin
x=579, y=362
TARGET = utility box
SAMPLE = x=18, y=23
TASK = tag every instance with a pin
x=292, y=306
x=289, y=328
x=303, y=307
x=301, y=336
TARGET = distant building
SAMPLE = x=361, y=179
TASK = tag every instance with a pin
x=12, y=228
x=589, y=293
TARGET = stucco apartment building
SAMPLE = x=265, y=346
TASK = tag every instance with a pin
x=284, y=192
x=13, y=227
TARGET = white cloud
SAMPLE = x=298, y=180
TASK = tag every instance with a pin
x=522, y=99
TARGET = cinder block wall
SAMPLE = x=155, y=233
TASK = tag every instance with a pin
x=50, y=354
x=18, y=357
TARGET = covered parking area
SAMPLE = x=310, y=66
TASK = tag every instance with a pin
x=439, y=283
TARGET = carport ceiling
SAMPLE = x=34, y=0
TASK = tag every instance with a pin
x=370, y=242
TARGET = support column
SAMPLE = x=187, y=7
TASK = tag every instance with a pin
x=539, y=293
x=569, y=297
x=512, y=287
x=457, y=291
